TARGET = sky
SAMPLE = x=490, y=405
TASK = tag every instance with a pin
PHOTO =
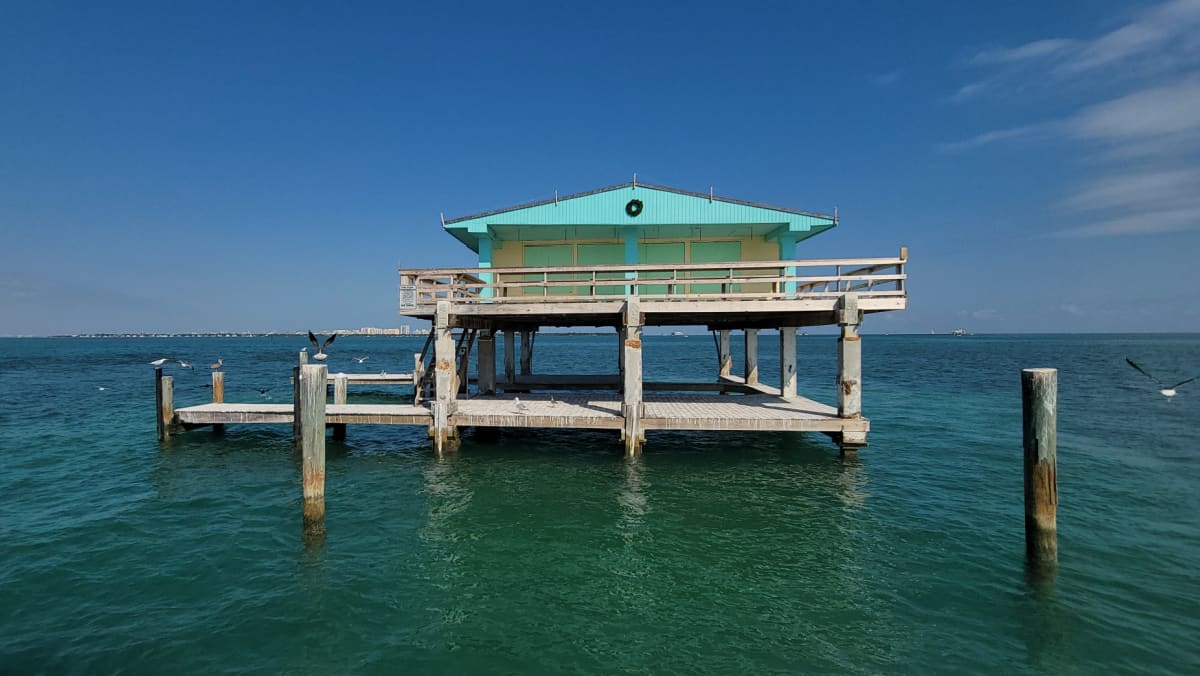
x=266, y=166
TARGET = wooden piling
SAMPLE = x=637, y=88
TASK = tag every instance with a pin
x=527, y=338
x=751, y=363
x=164, y=403
x=445, y=436
x=787, y=362
x=218, y=396
x=486, y=363
x=849, y=378
x=296, y=404
x=303, y=357
x=510, y=349
x=724, y=356
x=313, y=386
x=1039, y=412
x=631, y=403
x=341, y=384
x=418, y=378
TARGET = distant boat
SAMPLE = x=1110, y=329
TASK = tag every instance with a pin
x=960, y=332
x=679, y=333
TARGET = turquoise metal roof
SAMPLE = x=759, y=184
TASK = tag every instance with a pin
x=666, y=212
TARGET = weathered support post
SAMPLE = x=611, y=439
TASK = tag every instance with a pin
x=1039, y=411
x=527, y=338
x=418, y=378
x=849, y=358
x=787, y=362
x=621, y=353
x=724, y=356
x=218, y=396
x=341, y=383
x=303, y=356
x=751, y=356
x=632, y=407
x=510, y=357
x=445, y=436
x=486, y=363
x=164, y=400
x=849, y=379
x=313, y=387
x=296, y=422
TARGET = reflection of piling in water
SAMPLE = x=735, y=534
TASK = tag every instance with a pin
x=1039, y=408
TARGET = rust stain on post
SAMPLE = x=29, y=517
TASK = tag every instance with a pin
x=633, y=343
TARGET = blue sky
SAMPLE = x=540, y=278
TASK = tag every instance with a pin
x=254, y=166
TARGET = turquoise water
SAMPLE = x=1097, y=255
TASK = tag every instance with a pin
x=549, y=552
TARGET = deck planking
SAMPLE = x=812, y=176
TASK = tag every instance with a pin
x=756, y=412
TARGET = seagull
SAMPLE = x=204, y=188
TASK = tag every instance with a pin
x=552, y=402
x=218, y=364
x=521, y=408
x=185, y=364
x=361, y=359
x=263, y=391
x=102, y=388
x=159, y=362
x=1167, y=392
x=320, y=355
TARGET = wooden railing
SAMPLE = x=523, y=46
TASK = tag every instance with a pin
x=738, y=280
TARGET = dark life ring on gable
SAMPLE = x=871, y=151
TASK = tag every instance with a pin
x=633, y=208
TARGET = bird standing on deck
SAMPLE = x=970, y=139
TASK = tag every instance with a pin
x=521, y=407
x=320, y=355
x=1166, y=391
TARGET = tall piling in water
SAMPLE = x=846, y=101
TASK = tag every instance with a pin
x=1039, y=412
x=313, y=385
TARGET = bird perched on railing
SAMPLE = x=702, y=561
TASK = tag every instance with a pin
x=320, y=355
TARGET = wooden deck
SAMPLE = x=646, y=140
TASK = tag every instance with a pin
x=756, y=412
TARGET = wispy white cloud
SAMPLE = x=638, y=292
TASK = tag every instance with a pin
x=1138, y=224
x=984, y=314
x=1167, y=111
x=1142, y=139
x=1031, y=50
x=887, y=79
x=993, y=136
x=1072, y=309
x=1144, y=191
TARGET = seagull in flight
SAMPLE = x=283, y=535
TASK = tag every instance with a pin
x=320, y=355
x=263, y=391
x=159, y=362
x=1166, y=391
x=521, y=407
x=361, y=359
x=183, y=363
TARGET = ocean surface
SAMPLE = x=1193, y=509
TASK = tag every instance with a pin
x=548, y=552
